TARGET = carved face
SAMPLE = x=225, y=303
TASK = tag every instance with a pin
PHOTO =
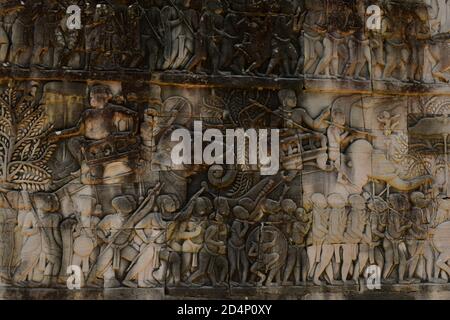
x=288, y=98
x=339, y=117
x=124, y=205
x=46, y=202
x=289, y=206
x=96, y=102
x=319, y=201
x=336, y=201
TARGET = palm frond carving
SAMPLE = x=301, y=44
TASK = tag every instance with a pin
x=24, y=147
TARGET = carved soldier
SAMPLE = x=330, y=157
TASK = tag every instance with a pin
x=417, y=35
x=359, y=48
x=152, y=231
x=115, y=248
x=298, y=231
x=335, y=239
x=335, y=38
x=397, y=53
x=299, y=123
x=192, y=232
x=208, y=38
x=337, y=138
x=40, y=258
x=394, y=246
x=8, y=221
x=4, y=41
x=237, y=256
x=419, y=247
x=85, y=234
x=313, y=35
x=133, y=54
x=284, y=54
x=357, y=239
x=21, y=42
x=232, y=27
x=101, y=134
x=45, y=25
x=180, y=23
x=152, y=36
x=65, y=45
x=319, y=230
x=378, y=220
x=213, y=263
x=254, y=49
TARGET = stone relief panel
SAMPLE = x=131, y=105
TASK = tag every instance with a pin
x=292, y=39
x=87, y=118
x=361, y=183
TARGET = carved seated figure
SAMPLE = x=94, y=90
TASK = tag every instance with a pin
x=307, y=130
x=107, y=137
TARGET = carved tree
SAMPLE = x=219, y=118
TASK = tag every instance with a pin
x=24, y=147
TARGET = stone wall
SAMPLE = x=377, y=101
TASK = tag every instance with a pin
x=90, y=193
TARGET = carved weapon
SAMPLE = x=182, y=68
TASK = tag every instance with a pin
x=150, y=24
x=195, y=197
x=182, y=16
x=128, y=224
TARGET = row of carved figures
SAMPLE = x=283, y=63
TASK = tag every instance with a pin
x=315, y=38
x=209, y=242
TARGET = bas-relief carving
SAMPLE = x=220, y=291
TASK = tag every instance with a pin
x=319, y=39
x=241, y=229
x=87, y=178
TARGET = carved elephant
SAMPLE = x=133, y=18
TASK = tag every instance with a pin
x=361, y=163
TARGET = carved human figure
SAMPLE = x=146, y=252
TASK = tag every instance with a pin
x=339, y=28
x=180, y=22
x=66, y=46
x=357, y=239
x=319, y=230
x=21, y=43
x=389, y=122
x=334, y=240
x=115, y=247
x=394, y=246
x=237, y=256
x=45, y=24
x=208, y=38
x=154, y=126
x=232, y=26
x=397, y=53
x=192, y=232
x=419, y=247
x=151, y=36
x=4, y=41
x=263, y=249
x=254, y=49
x=360, y=56
x=299, y=228
x=313, y=34
x=8, y=222
x=378, y=221
x=212, y=257
x=213, y=263
x=337, y=137
x=152, y=231
x=417, y=35
x=298, y=121
x=284, y=55
x=85, y=234
x=102, y=133
x=40, y=257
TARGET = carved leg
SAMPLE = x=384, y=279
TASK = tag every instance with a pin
x=327, y=255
